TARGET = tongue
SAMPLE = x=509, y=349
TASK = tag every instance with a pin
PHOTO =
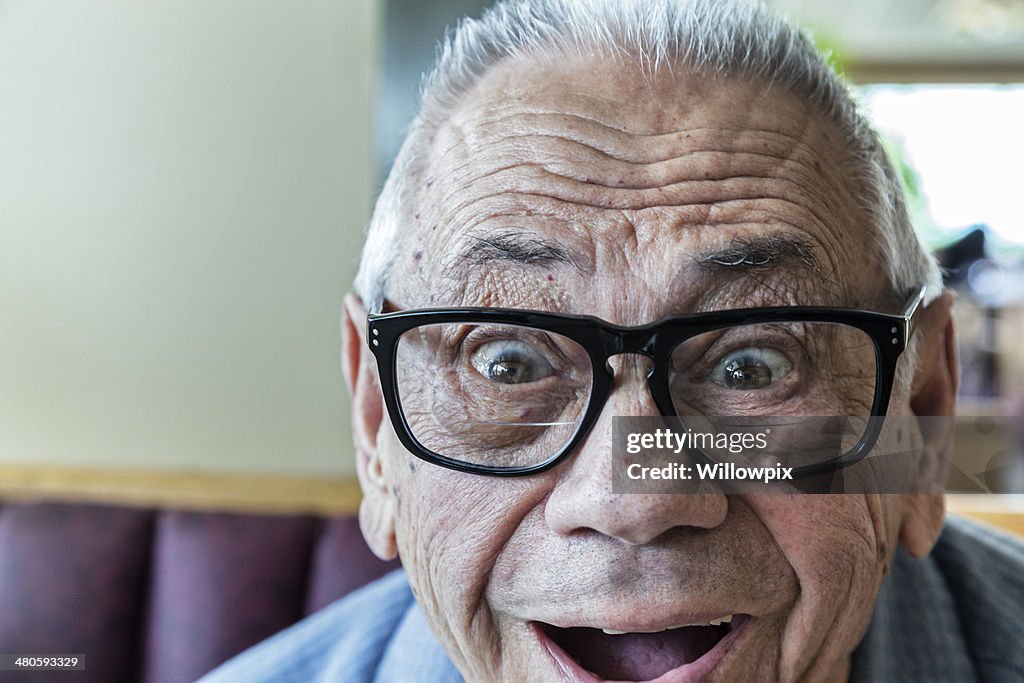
x=636, y=656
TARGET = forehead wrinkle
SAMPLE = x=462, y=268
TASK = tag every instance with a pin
x=593, y=235
x=705, y=164
x=637, y=118
x=519, y=206
x=593, y=166
x=593, y=225
x=540, y=176
x=702, y=196
x=533, y=180
x=499, y=111
x=507, y=156
x=618, y=144
x=617, y=108
x=489, y=168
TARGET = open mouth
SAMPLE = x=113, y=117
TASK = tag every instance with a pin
x=610, y=655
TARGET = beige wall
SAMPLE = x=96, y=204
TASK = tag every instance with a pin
x=183, y=185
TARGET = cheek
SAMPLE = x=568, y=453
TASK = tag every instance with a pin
x=831, y=538
x=445, y=529
x=450, y=528
x=839, y=547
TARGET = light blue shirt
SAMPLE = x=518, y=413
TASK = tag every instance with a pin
x=957, y=615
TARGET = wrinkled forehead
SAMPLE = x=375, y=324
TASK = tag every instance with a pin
x=580, y=185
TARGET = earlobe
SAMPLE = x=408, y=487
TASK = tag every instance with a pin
x=376, y=510
x=923, y=514
x=377, y=522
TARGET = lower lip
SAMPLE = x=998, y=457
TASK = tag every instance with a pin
x=687, y=673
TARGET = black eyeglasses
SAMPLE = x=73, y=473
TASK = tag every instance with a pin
x=512, y=392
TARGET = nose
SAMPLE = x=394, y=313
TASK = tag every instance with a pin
x=582, y=500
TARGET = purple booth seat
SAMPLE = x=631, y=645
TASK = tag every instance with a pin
x=158, y=596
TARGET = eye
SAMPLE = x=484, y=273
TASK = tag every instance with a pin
x=751, y=368
x=510, y=361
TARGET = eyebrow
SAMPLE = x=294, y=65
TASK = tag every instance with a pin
x=517, y=247
x=753, y=255
x=782, y=251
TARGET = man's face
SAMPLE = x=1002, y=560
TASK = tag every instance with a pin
x=586, y=189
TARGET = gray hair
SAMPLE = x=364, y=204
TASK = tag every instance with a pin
x=734, y=38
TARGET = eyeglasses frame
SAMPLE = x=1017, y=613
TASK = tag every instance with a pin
x=890, y=333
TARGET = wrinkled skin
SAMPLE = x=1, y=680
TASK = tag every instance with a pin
x=634, y=177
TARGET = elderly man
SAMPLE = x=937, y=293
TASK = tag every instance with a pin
x=590, y=192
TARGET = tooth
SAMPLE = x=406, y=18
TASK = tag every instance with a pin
x=714, y=622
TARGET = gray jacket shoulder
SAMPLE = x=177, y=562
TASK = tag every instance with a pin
x=955, y=615
x=984, y=570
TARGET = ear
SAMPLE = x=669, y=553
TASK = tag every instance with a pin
x=937, y=377
x=377, y=508
x=933, y=394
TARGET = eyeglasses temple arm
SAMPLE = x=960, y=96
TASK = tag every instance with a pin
x=913, y=312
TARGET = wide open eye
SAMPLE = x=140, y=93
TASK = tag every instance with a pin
x=750, y=368
x=510, y=361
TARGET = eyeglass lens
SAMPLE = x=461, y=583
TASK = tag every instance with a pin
x=504, y=395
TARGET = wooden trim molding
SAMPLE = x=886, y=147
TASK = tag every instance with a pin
x=1004, y=511
x=230, y=492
